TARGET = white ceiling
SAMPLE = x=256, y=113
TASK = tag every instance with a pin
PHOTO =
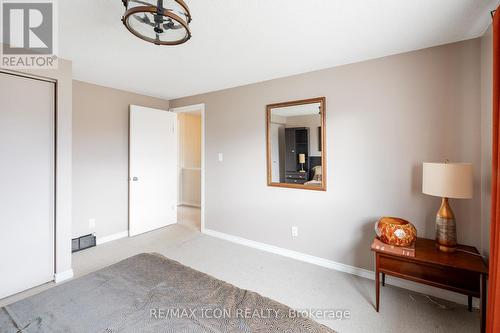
x=297, y=110
x=236, y=42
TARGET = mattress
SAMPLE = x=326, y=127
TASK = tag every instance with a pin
x=150, y=293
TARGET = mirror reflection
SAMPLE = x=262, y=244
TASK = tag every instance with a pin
x=295, y=144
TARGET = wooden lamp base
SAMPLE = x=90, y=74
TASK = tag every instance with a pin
x=446, y=228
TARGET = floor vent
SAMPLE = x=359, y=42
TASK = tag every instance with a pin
x=82, y=243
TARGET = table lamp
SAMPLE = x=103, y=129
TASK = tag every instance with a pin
x=302, y=160
x=447, y=180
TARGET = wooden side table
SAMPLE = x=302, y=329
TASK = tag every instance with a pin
x=461, y=272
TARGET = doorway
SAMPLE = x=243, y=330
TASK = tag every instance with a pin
x=191, y=162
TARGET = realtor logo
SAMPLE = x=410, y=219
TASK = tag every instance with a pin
x=28, y=34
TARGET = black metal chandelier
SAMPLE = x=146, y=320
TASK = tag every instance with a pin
x=161, y=22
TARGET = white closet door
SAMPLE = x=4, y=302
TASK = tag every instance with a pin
x=27, y=144
x=153, y=169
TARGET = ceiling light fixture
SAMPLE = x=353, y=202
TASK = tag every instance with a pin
x=161, y=22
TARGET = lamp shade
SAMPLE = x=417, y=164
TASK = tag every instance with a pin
x=447, y=180
x=302, y=158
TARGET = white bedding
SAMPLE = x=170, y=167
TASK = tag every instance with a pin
x=313, y=183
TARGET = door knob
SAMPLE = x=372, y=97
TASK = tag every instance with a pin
x=134, y=179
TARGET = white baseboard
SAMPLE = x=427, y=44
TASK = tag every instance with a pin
x=368, y=274
x=105, y=239
x=63, y=276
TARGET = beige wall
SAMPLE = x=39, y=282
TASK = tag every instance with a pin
x=384, y=118
x=189, y=159
x=486, y=131
x=190, y=140
x=100, y=156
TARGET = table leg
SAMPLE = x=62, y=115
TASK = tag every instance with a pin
x=383, y=279
x=469, y=303
x=482, y=303
x=377, y=282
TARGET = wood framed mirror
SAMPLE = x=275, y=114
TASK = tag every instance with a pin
x=296, y=144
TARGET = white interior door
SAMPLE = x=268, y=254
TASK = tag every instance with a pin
x=275, y=153
x=153, y=169
x=27, y=143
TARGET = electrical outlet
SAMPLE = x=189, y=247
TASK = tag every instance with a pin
x=221, y=157
x=295, y=231
x=92, y=223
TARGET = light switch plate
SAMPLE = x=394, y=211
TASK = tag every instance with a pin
x=295, y=231
x=91, y=223
x=221, y=157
